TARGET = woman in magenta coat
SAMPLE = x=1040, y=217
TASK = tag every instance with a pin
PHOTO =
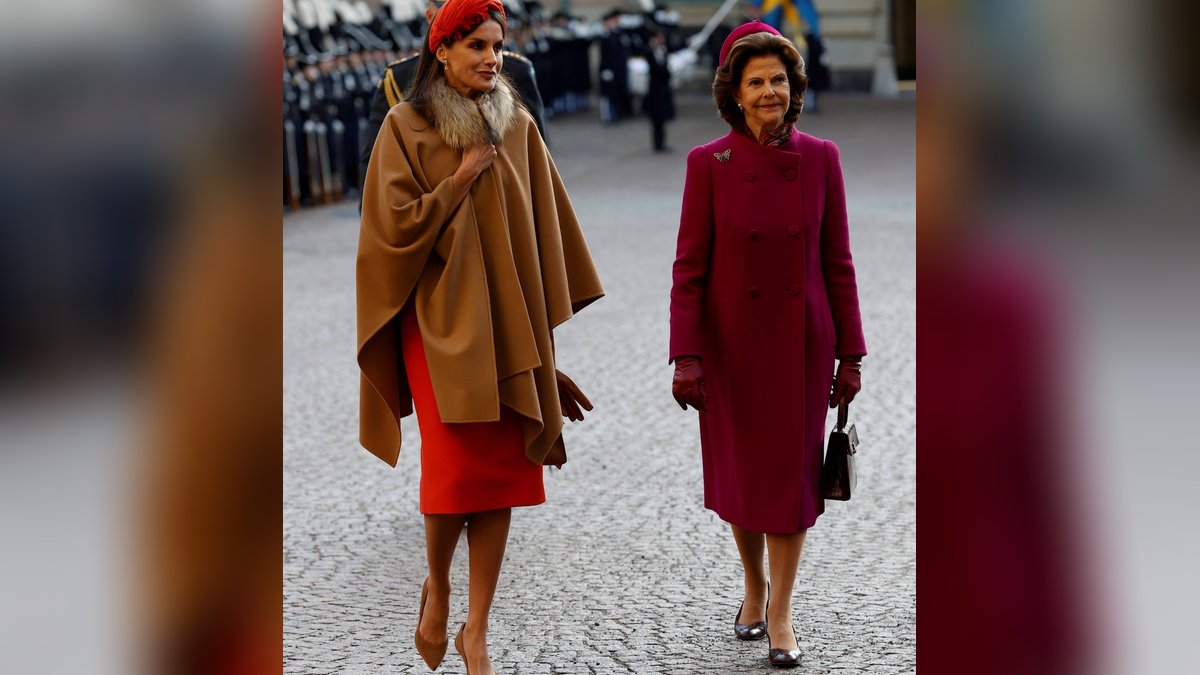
x=764, y=300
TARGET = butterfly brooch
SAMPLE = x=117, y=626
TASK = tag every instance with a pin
x=723, y=156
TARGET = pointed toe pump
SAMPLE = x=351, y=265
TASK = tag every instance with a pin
x=431, y=652
x=748, y=631
x=458, y=647
x=784, y=658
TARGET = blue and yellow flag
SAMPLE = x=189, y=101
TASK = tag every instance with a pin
x=783, y=14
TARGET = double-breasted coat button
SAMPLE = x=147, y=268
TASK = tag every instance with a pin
x=754, y=235
x=789, y=174
x=749, y=175
x=794, y=289
x=752, y=292
x=794, y=230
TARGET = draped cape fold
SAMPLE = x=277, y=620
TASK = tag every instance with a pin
x=489, y=276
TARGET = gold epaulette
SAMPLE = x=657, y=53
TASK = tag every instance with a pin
x=390, y=89
x=514, y=55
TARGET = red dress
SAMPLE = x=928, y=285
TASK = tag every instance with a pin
x=466, y=468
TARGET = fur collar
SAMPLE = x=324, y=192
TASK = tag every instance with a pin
x=462, y=121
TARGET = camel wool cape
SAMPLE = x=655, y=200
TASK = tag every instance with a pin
x=489, y=276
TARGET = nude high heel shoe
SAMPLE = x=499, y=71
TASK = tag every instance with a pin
x=458, y=647
x=431, y=652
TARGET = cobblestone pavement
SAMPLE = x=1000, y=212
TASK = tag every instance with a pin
x=622, y=570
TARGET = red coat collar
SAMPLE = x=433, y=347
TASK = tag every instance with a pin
x=786, y=155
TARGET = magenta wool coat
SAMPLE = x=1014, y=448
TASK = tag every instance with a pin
x=765, y=294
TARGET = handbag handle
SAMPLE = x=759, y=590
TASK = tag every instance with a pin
x=843, y=413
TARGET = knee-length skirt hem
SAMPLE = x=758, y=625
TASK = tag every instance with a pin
x=758, y=526
x=464, y=508
x=466, y=467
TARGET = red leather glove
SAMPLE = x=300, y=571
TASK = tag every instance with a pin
x=570, y=398
x=847, y=382
x=688, y=384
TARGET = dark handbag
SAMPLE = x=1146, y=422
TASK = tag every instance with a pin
x=838, y=477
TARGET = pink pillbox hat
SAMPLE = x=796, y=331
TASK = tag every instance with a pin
x=741, y=32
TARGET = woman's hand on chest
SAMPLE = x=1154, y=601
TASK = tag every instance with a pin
x=475, y=160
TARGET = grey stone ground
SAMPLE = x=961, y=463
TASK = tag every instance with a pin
x=622, y=570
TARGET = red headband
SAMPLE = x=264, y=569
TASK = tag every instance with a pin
x=741, y=32
x=456, y=18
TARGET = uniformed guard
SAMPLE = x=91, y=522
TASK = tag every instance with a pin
x=659, y=102
x=614, y=70
x=570, y=44
x=292, y=170
x=537, y=48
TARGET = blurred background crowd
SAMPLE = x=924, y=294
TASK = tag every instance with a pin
x=590, y=57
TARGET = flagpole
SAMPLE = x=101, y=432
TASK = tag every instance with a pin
x=702, y=37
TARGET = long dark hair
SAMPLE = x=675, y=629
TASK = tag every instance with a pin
x=429, y=69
